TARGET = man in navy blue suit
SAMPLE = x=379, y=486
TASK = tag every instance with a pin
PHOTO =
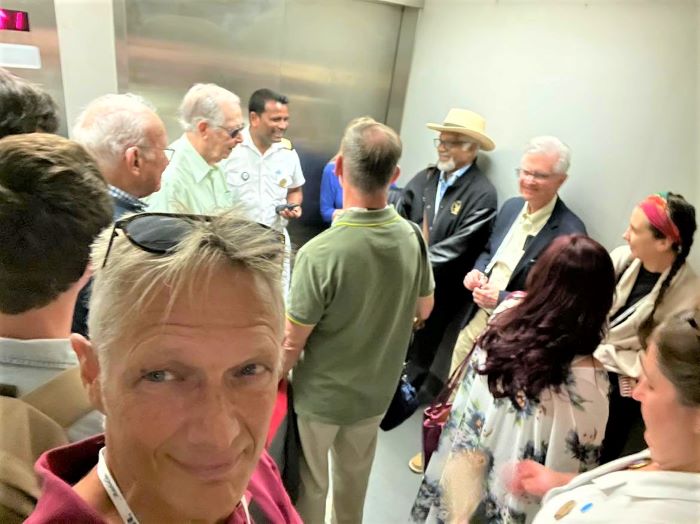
x=524, y=227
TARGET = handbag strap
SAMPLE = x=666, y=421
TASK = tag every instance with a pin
x=454, y=379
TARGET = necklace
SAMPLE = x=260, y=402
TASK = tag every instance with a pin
x=115, y=494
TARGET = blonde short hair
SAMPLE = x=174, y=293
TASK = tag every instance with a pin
x=132, y=277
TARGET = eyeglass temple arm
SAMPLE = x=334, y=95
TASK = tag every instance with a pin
x=109, y=246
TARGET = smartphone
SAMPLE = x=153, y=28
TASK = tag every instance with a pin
x=282, y=207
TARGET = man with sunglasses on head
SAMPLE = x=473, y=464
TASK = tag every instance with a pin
x=193, y=182
x=264, y=174
x=128, y=141
x=455, y=204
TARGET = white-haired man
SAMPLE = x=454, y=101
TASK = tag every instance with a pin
x=525, y=226
x=353, y=354
x=193, y=182
x=128, y=141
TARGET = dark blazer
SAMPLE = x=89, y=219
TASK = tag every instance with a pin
x=562, y=221
x=459, y=230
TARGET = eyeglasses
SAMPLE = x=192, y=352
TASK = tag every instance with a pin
x=168, y=152
x=540, y=177
x=449, y=144
x=160, y=233
x=232, y=133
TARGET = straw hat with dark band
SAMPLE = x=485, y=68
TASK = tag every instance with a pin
x=466, y=123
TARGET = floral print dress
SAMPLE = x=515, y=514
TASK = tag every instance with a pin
x=562, y=430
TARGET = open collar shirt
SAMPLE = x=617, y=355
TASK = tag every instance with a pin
x=260, y=181
x=190, y=185
x=28, y=364
x=526, y=225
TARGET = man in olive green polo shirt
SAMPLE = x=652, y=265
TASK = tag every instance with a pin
x=355, y=291
x=193, y=182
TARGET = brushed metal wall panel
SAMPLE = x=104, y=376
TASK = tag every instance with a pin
x=333, y=58
x=42, y=34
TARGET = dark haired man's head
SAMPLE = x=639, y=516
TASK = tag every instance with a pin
x=268, y=113
x=259, y=99
x=53, y=203
x=25, y=107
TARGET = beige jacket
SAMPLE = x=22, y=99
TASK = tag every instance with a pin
x=620, y=351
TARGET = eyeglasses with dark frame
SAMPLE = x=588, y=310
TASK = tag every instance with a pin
x=232, y=133
x=160, y=233
x=449, y=144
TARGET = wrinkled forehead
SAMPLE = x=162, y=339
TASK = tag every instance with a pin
x=223, y=297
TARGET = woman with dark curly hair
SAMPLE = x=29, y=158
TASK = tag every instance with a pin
x=531, y=389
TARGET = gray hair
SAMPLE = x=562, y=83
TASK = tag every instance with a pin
x=370, y=153
x=132, y=277
x=112, y=123
x=204, y=102
x=551, y=145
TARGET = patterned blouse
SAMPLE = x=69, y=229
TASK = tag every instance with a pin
x=485, y=437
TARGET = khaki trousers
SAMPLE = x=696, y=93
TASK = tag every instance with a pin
x=351, y=450
x=465, y=341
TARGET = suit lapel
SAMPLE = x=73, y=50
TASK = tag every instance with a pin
x=542, y=240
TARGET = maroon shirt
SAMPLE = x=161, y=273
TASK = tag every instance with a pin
x=61, y=468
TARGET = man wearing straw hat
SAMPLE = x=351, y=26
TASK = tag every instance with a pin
x=455, y=205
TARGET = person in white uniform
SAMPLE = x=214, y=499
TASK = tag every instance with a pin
x=264, y=173
x=659, y=484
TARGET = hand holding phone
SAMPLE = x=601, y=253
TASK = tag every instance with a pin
x=285, y=207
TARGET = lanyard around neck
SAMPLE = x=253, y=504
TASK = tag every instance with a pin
x=115, y=494
x=113, y=491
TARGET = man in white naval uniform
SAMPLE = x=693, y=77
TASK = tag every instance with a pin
x=264, y=173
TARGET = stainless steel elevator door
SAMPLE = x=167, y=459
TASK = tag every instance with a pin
x=333, y=58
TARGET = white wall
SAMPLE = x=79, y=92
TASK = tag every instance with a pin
x=616, y=80
x=88, y=58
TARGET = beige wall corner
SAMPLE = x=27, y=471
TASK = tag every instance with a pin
x=88, y=60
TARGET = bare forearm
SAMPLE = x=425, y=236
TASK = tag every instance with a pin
x=295, y=337
x=295, y=196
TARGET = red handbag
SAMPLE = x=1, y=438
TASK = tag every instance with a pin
x=435, y=416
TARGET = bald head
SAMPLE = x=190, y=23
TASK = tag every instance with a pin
x=370, y=152
x=127, y=139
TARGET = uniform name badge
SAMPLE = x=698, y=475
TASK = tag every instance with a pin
x=456, y=206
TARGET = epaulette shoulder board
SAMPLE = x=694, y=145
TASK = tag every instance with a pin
x=287, y=144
